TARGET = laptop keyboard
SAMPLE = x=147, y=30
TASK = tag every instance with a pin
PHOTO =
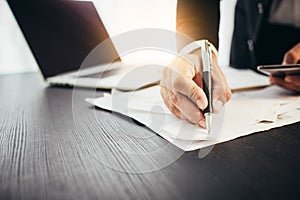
x=104, y=74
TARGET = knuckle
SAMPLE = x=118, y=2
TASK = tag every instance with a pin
x=193, y=94
x=178, y=82
x=172, y=109
x=174, y=98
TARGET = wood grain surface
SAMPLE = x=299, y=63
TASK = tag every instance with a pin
x=53, y=145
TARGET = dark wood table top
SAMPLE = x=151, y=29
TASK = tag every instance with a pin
x=53, y=145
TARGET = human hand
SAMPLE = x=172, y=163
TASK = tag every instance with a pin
x=292, y=56
x=181, y=89
x=290, y=82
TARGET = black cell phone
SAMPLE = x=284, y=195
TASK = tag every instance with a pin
x=280, y=70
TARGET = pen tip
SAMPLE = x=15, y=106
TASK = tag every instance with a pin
x=208, y=121
x=208, y=126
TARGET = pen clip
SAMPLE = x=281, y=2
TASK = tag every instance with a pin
x=206, y=52
x=209, y=55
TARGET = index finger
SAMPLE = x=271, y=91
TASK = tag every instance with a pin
x=189, y=88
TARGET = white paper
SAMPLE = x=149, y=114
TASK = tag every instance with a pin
x=244, y=79
x=246, y=113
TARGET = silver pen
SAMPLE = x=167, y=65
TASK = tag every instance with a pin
x=206, y=52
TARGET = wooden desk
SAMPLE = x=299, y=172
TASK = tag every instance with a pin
x=46, y=154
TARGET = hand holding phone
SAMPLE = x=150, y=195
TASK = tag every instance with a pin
x=280, y=70
x=287, y=76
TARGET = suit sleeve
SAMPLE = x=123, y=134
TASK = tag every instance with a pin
x=198, y=19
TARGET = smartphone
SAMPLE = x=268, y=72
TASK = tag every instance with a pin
x=280, y=70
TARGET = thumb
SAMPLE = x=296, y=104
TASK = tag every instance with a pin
x=293, y=55
x=220, y=96
x=220, y=91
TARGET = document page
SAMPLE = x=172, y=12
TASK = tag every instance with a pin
x=241, y=79
x=246, y=113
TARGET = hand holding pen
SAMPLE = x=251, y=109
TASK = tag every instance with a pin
x=183, y=91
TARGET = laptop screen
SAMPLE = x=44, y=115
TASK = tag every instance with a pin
x=61, y=33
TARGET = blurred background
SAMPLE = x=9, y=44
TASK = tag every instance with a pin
x=118, y=16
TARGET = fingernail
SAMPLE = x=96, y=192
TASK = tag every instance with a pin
x=202, y=123
x=200, y=104
x=217, y=106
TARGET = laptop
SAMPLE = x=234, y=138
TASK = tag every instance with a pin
x=61, y=34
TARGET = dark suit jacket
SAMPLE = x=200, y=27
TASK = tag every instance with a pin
x=254, y=42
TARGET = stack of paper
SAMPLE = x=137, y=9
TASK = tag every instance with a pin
x=246, y=113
